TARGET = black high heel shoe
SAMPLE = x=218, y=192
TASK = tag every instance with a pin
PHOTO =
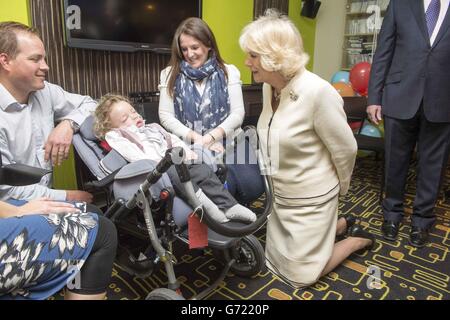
x=358, y=232
x=350, y=220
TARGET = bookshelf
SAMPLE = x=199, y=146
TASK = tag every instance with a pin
x=362, y=22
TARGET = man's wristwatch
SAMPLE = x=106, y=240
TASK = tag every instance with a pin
x=75, y=127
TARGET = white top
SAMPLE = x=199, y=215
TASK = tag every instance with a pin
x=444, y=7
x=24, y=129
x=230, y=125
x=153, y=143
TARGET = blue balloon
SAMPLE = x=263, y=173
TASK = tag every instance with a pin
x=371, y=131
x=341, y=76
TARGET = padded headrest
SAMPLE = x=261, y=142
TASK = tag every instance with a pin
x=87, y=129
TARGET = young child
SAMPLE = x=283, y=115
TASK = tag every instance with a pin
x=117, y=122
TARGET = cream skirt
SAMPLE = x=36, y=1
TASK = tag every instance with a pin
x=300, y=241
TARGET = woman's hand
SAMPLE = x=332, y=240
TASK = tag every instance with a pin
x=216, y=147
x=207, y=140
x=195, y=137
x=45, y=206
x=191, y=155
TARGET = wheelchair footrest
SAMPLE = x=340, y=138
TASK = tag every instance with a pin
x=141, y=268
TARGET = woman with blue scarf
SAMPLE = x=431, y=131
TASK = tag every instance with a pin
x=201, y=102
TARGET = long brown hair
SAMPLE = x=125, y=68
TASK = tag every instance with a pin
x=197, y=28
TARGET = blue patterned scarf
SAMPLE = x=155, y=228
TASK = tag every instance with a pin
x=201, y=113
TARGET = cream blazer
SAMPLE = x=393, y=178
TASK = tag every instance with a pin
x=308, y=148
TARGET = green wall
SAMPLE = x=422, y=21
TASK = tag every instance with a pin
x=307, y=28
x=14, y=10
x=226, y=19
x=64, y=176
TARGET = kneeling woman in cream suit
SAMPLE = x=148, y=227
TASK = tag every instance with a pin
x=310, y=153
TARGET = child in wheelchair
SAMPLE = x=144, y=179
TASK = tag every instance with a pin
x=124, y=130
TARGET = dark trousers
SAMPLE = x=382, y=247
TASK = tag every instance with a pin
x=203, y=177
x=433, y=140
x=96, y=272
x=244, y=178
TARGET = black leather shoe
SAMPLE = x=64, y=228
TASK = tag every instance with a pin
x=390, y=230
x=418, y=237
x=358, y=232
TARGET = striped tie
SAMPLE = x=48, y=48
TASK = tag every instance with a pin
x=432, y=14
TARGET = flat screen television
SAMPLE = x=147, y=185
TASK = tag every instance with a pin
x=125, y=25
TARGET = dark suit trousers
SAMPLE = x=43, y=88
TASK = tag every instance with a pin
x=433, y=140
x=202, y=176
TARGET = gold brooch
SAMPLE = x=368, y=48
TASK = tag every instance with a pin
x=293, y=96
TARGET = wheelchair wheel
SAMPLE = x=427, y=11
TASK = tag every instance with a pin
x=163, y=294
x=249, y=255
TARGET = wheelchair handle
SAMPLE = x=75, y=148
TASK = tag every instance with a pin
x=172, y=156
x=183, y=172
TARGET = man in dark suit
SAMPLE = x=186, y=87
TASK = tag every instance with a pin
x=410, y=86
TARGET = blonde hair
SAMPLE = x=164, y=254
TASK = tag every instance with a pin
x=8, y=36
x=277, y=41
x=102, y=113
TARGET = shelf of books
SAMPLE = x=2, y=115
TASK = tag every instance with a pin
x=363, y=20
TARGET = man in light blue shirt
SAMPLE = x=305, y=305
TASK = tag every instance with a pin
x=29, y=108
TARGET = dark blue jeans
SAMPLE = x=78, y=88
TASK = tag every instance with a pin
x=244, y=179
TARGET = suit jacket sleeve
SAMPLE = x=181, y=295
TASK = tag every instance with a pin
x=383, y=56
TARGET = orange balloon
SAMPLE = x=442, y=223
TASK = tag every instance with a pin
x=344, y=89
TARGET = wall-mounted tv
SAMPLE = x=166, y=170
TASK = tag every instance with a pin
x=125, y=25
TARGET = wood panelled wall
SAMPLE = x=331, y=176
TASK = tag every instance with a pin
x=94, y=72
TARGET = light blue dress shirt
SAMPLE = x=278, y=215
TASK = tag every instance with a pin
x=24, y=129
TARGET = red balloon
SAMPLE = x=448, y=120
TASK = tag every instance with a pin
x=355, y=125
x=359, y=77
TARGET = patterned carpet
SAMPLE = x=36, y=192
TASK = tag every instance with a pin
x=393, y=270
